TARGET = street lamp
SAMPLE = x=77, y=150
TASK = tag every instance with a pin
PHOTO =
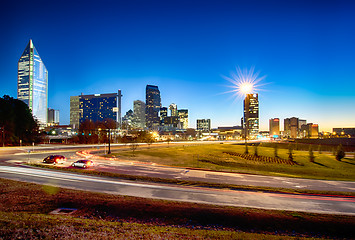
x=3, y=135
x=109, y=141
x=108, y=131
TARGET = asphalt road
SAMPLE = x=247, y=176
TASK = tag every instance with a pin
x=291, y=202
x=11, y=168
x=152, y=170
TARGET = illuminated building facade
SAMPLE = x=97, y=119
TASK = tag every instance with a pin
x=301, y=123
x=251, y=115
x=183, y=115
x=163, y=113
x=53, y=117
x=152, y=107
x=127, y=120
x=95, y=107
x=171, y=122
x=203, y=125
x=32, y=83
x=309, y=130
x=344, y=132
x=173, y=110
x=291, y=127
x=138, y=114
x=75, y=111
x=274, y=127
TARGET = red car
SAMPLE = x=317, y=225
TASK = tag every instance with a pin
x=55, y=159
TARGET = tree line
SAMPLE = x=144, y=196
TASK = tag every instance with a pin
x=17, y=123
x=98, y=132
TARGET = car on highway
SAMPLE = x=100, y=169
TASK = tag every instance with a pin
x=84, y=163
x=55, y=159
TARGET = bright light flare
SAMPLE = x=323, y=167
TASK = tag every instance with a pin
x=244, y=82
x=246, y=88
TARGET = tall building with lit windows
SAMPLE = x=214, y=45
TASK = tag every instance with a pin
x=95, y=107
x=75, y=111
x=152, y=106
x=274, y=127
x=139, y=114
x=184, y=118
x=32, y=83
x=251, y=115
x=173, y=110
x=291, y=127
x=163, y=113
x=53, y=117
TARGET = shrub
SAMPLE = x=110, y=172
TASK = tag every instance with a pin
x=256, y=150
x=275, y=151
x=311, y=155
x=339, y=153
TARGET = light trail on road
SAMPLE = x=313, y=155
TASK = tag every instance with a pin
x=275, y=201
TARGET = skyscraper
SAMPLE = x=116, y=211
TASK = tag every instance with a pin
x=274, y=127
x=32, y=83
x=75, y=112
x=152, y=106
x=163, y=113
x=291, y=127
x=251, y=115
x=53, y=117
x=138, y=114
x=127, y=120
x=184, y=118
x=95, y=107
x=173, y=110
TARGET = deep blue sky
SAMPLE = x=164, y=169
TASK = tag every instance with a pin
x=306, y=49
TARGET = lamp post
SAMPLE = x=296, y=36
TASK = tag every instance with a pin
x=245, y=137
x=3, y=136
x=109, y=141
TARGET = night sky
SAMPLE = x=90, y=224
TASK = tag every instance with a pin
x=305, y=50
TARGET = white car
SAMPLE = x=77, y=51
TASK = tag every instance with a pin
x=83, y=163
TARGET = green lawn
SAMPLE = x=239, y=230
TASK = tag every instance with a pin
x=214, y=157
x=25, y=208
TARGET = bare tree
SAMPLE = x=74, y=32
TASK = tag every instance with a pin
x=134, y=145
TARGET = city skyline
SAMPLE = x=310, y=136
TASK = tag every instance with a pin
x=304, y=50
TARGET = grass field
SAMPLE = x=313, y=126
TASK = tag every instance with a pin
x=25, y=207
x=220, y=157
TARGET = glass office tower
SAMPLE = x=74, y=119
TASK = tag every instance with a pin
x=152, y=106
x=32, y=83
x=251, y=115
x=95, y=107
x=98, y=107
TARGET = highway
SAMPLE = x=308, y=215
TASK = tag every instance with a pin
x=11, y=167
x=292, y=202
